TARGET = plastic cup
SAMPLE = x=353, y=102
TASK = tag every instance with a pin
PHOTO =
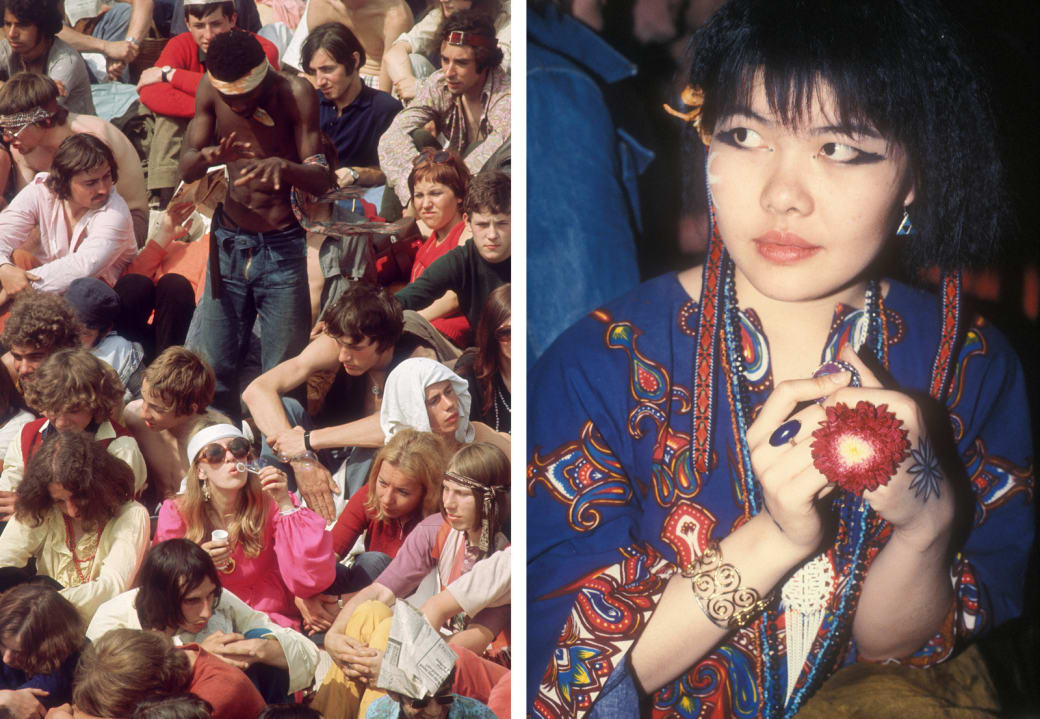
x=219, y=535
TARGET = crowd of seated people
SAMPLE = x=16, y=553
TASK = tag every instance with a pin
x=256, y=357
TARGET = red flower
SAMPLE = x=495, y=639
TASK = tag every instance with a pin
x=859, y=449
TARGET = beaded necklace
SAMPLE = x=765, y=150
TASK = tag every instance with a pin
x=500, y=398
x=84, y=577
x=720, y=314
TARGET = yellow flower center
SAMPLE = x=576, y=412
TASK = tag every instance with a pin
x=854, y=449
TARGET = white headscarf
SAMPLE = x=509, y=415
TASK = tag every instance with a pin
x=404, y=398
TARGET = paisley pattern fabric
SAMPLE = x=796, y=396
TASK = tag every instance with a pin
x=614, y=503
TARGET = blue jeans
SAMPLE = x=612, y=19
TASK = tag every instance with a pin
x=261, y=274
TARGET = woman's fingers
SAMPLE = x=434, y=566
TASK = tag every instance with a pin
x=786, y=397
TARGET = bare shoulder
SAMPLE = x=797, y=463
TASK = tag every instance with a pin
x=398, y=13
x=132, y=415
x=691, y=281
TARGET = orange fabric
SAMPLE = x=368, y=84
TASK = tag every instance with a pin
x=183, y=258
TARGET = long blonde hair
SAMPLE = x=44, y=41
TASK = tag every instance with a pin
x=421, y=456
x=251, y=509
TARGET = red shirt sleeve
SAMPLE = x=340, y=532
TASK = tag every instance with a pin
x=175, y=98
x=226, y=687
x=351, y=523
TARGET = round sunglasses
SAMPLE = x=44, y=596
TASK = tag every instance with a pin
x=215, y=453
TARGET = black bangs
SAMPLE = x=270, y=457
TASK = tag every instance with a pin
x=894, y=68
x=794, y=49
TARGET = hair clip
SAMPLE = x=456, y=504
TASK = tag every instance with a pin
x=693, y=98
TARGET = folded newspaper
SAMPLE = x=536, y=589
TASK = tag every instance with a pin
x=417, y=660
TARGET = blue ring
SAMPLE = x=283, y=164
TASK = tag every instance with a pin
x=785, y=433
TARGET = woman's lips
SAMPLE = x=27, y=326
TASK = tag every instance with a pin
x=784, y=248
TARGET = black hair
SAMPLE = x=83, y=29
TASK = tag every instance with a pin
x=233, y=55
x=44, y=15
x=337, y=40
x=175, y=706
x=226, y=7
x=365, y=310
x=893, y=65
x=169, y=571
x=478, y=23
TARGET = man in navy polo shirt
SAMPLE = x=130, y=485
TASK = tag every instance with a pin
x=353, y=115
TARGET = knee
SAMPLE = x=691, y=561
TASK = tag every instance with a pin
x=174, y=289
x=136, y=292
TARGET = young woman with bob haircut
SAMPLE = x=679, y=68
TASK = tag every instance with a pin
x=274, y=550
x=41, y=635
x=437, y=184
x=75, y=514
x=179, y=593
x=475, y=506
x=746, y=475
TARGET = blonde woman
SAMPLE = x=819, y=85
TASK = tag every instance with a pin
x=274, y=551
x=475, y=507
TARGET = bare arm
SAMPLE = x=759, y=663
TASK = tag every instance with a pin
x=194, y=159
x=263, y=395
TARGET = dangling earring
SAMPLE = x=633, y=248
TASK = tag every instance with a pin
x=905, y=227
x=206, y=496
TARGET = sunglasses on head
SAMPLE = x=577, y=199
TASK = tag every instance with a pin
x=429, y=155
x=215, y=453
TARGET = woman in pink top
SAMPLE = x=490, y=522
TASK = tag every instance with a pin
x=438, y=183
x=274, y=551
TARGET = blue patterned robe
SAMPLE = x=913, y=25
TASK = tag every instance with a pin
x=614, y=504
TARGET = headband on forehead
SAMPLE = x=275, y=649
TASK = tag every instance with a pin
x=24, y=118
x=211, y=434
x=247, y=83
x=489, y=496
x=458, y=37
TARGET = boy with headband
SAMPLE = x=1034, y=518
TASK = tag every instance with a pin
x=264, y=126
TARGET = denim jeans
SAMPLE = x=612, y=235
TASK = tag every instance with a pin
x=262, y=274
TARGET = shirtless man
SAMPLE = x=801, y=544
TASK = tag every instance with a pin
x=377, y=23
x=34, y=146
x=264, y=126
x=175, y=392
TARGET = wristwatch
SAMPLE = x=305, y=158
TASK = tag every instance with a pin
x=353, y=173
x=166, y=70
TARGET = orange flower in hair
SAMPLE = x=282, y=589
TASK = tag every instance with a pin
x=693, y=98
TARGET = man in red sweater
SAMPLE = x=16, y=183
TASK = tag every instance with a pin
x=168, y=89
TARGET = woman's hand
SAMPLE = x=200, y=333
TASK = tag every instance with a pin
x=790, y=483
x=917, y=501
x=365, y=666
x=23, y=703
x=276, y=483
x=219, y=552
x=171, y=226
x=345, y=650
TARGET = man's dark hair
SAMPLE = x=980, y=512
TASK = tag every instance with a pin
x=99, y=483
x=488, y=194
x=475, y=22
x=226, y=7
x=338, y=41
x=365, y=310
x=169, y=571
x=176, y=706
x=26, y=91
x=233, y=55
x=42, y=320
x=897, y=66
x=44, y=14
x=76, y=154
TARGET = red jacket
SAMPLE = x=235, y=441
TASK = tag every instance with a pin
x=177, y=97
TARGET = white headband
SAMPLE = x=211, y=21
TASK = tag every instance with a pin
x=247, y=83
x=211, y=434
